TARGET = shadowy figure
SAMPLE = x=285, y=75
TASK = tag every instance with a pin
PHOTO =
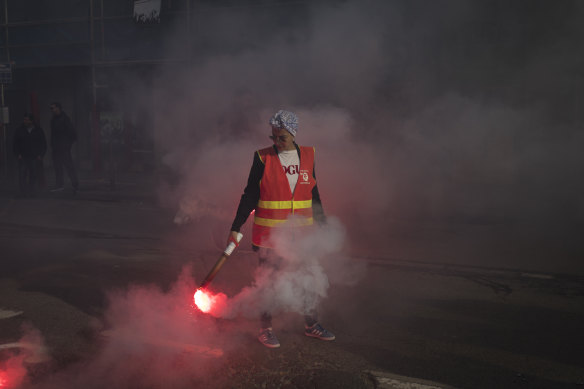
x=29, y=147
x=63, y=135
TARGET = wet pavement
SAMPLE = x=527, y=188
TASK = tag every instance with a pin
x=404, y=324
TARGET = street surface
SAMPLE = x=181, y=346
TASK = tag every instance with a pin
x=97, y=276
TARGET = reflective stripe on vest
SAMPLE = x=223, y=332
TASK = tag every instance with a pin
x=294, y=204
x=260, y=221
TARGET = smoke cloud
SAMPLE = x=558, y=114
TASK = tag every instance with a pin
x=150, y=339
x=446, y=111
x=297, y=274
x=420, y=112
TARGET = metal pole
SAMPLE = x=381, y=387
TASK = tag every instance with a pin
x=6, y=31
x=92, y=49
x=189, y=31
x=4, y=127
x=102, y=34
x=94, y=125
x=4, y=140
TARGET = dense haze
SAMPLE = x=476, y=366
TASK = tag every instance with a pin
x=423, y=113
x=430, y=111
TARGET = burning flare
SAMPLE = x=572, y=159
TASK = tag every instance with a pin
x=210, y=303
x=202, y=300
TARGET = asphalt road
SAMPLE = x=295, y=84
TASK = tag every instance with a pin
x=75, y=267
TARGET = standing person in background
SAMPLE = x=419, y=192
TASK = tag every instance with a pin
x=281, y=183
x=29, y=147
x=63, y=136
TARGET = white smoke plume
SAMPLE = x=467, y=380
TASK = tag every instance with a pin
x=420, y=112
x=297, y=275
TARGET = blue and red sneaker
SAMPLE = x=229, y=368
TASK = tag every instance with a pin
x=317, y=331
x=267, y=338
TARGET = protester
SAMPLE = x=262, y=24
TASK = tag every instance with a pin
x=63, y=135
x=281, y=182
x=29, y=147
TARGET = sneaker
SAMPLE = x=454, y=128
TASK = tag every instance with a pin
x=58, y=189
x=316, y=331
x=268, y=339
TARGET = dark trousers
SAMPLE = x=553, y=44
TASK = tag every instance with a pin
x=267, y=257
x=62, y=159
x=27, y=176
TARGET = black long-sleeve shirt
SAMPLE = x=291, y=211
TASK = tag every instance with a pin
x=251, y=194
x=63, y=134
x=29, y=144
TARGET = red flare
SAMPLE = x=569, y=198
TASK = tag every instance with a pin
x=203, y=300
x=207, y=302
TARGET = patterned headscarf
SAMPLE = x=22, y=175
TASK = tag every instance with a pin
x=285, y=120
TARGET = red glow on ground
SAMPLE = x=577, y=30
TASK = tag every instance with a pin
x=3, y=380
x=202, y=300
x=12, y=372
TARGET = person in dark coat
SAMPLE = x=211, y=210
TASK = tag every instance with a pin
x=29, y=147
x=63, y=135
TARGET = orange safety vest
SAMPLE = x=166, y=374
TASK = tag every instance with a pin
x=276, y=201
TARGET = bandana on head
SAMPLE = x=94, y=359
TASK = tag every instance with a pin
x=285, y=120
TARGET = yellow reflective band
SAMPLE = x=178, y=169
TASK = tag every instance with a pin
x=275, y=204
x=284, y=204
x=302, y=204
x=260, y=221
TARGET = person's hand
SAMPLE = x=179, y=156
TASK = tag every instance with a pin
x=232, y=237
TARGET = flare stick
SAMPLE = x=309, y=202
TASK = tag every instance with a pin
x=228, y=250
